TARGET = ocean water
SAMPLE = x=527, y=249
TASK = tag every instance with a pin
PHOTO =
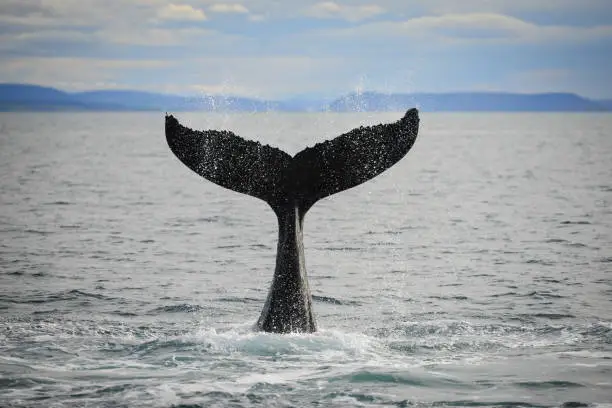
x=476, y=272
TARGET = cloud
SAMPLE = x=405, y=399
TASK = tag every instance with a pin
x=437, y=44
x=480, y=27
x=330, y=9
x=96, y=12
x=228, y=8
x=16, y=40
x=77, y=13
x=509, y=6
x=492, y=27
x=148, y=37
x=180, y=12
x=72, y=42
x=359, y=10
x=469, y=28
x=256, y=18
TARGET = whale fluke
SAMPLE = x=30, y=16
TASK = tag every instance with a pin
x=352, y=158
x=291, y=185
x=230, y=161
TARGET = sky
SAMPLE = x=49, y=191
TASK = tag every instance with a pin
x=279, y=49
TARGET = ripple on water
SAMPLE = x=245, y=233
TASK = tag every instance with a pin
x=43, y=297
x=334, y=301
x=181, y=308
x=548, y=384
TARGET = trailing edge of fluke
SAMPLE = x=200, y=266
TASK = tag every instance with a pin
x=291, y=185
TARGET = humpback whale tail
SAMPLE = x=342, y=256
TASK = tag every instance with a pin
x=291, y=185
x=272, y=175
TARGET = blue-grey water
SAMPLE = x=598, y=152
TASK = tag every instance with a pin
x=476, y=272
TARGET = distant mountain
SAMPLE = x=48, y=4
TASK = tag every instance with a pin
x=131, y=100
x=37, y=98
x=466, y=101
x=135, y=100
x=303, y=104
x=607, y=103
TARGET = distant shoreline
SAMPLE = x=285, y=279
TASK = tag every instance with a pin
x=34, y=98
x=236, y=112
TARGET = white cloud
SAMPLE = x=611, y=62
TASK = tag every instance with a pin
x=28, y=20
x=228, y=8
x=96, y=12
x=493, y=27
x=359, y=10
x=327, y=8
x=14, y=41
x=468, y=21
x=181, y=12
x=488, y=28
x=257, y=18
x=142, y=36
x=145, y=36
x=509, y=6
x=81, y=13
x=330, y=9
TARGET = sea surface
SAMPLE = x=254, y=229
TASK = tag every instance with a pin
x=476, y=272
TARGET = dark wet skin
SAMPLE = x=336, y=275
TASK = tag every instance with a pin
x=291, y=185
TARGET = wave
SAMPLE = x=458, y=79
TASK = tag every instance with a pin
x=244, y=338
x=537, y=294
x=489, y=403
x=342, y=249
x=334, y=301
x=551, y=316
x=543, y=294
x=463, y=338
x=40, y=297
x=60, y=203
x=405, y=378
x=548, y=384
x=457, y=297
x=181, y=308
x=22, y=382
x=123, y=313
x=232, y=299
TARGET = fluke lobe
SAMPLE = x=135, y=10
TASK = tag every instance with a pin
x=291, y=185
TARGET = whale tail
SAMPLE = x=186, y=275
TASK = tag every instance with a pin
x=274, y=176
x=291, y=185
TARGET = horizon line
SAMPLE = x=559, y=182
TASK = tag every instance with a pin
x=309, y=97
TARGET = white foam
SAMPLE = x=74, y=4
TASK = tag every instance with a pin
x=324, y=342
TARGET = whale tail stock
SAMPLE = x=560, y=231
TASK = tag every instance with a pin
x=272, y=175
